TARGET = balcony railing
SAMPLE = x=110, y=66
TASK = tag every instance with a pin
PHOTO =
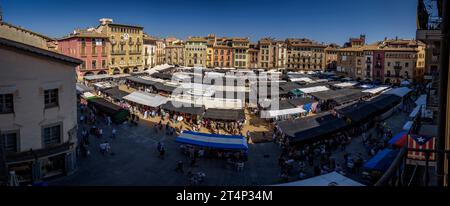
x=135, y=52
x=395, y=175
x=118, y=52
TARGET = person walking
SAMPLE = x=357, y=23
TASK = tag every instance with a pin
x=113, y=133
x=100, y=132
x=179, y=167
x=108, y=119
x=162, y=152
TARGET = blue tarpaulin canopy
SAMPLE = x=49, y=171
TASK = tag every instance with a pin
x=213, y=140
x=382, y=160
x=398, y=137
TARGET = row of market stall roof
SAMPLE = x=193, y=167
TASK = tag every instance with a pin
x=210, y=108
x=324, y=124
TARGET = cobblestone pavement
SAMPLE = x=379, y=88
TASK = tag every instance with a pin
x=135, y=160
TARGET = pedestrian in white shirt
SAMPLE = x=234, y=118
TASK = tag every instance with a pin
x=113, y=133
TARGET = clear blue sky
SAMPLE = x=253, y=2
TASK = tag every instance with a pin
x=322, y=20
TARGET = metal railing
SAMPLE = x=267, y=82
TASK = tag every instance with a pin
x=395, y=175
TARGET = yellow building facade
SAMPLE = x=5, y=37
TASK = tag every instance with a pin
x=126, y=46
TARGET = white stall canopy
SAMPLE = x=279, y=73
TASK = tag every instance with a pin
x=268, y=114
x=310, y=90
x=375, y=90
x=346, y=84
x=401, y=91
x=145, y=98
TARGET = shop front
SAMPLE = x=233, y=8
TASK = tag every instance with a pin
x=34, y=166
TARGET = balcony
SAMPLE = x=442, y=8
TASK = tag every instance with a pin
x=118, y=52
x=135, y=52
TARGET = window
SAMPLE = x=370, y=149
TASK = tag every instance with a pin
x=113, y=61
x=103, y=63
x=406, y=64
x=6, y=103
x=51, y=135
x=93, y=44
x=94, y=64
x=10, y=140
x=51, y=98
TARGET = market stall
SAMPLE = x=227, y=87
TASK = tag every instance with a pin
x=224, y=114
x=381, y=161
x=115, y=93
x=146, y=99
x=117, y=114
x=312, y=128
x=213, y=141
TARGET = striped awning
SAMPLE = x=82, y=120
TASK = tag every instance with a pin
x=213, y=140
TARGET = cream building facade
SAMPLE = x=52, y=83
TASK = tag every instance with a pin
x=149, y=52
x=196, y=52
x=38, y=113
x=305, y=54
x=240, y=50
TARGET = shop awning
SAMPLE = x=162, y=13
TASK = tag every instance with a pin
x=147, y=99
x=216, y=141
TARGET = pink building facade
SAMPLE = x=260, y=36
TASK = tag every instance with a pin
x=92, y=49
